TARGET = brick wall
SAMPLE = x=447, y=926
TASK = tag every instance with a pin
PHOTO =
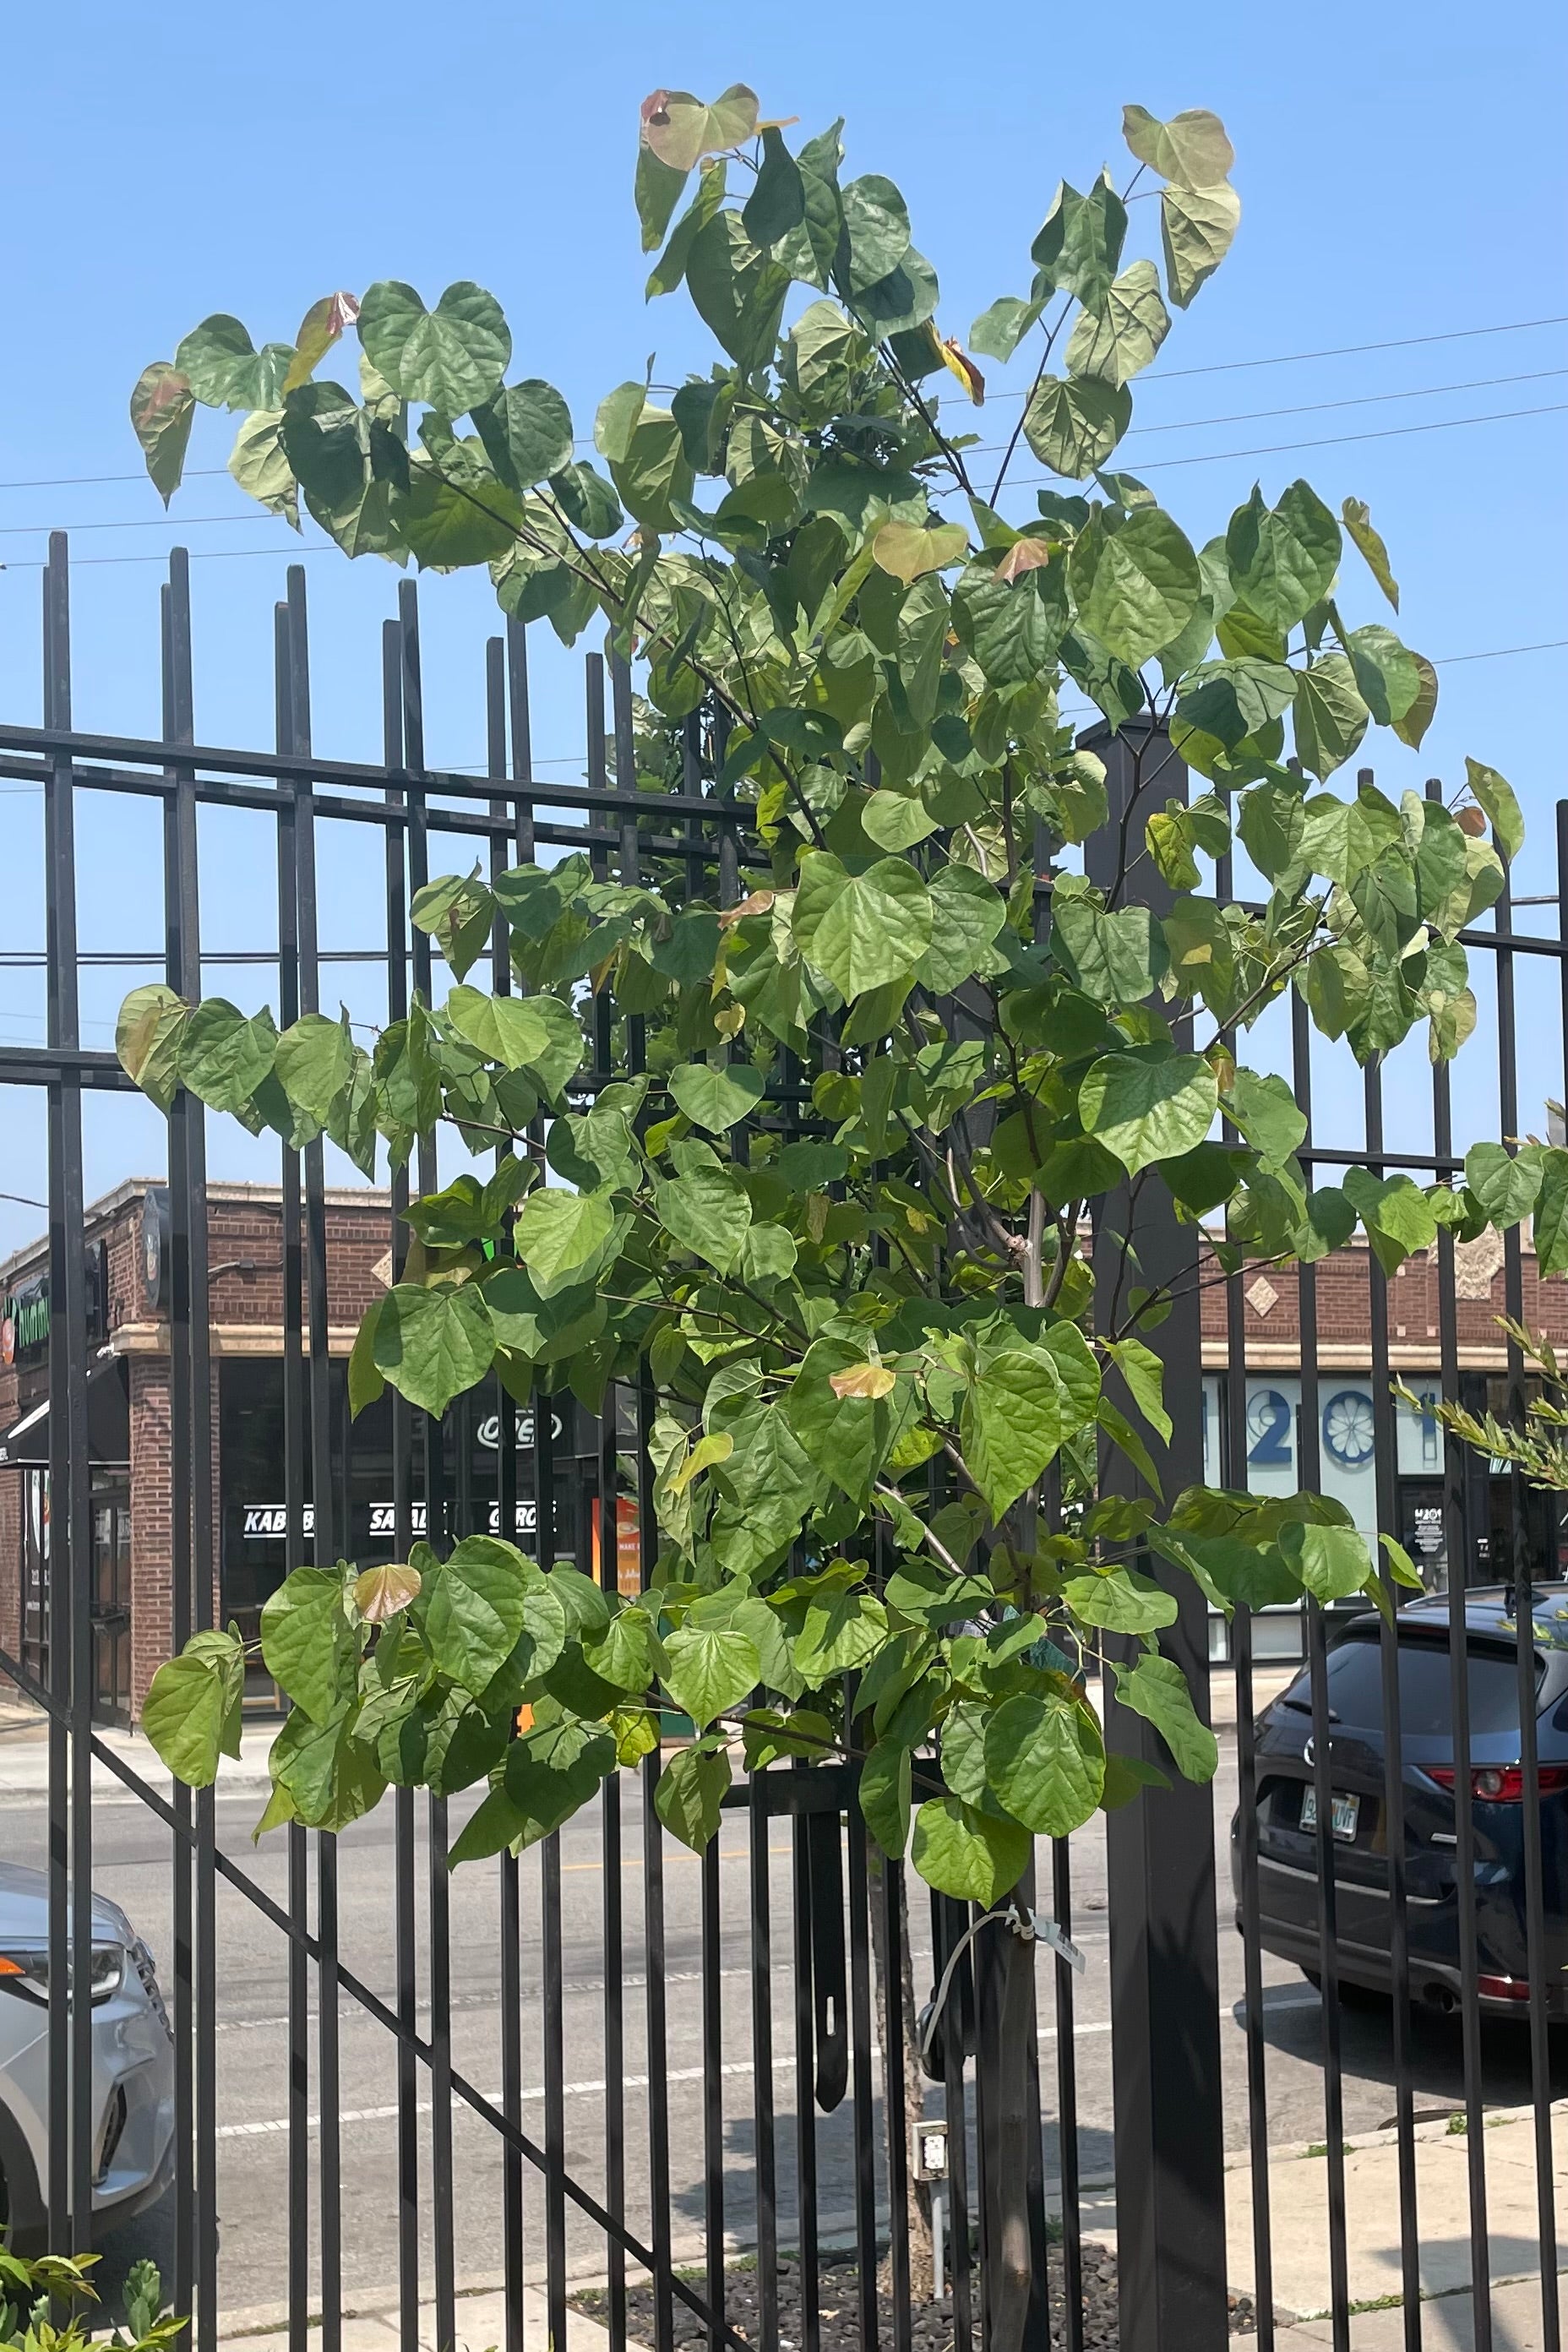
x=152, y=1523
x=1273, y=1329
x=151, y=1520
x=10, y=1567
x=249, y=1231
x=244, y=1236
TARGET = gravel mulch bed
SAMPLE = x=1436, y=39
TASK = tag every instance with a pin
x=838, y=2305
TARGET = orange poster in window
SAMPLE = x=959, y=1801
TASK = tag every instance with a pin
x=628, y=1546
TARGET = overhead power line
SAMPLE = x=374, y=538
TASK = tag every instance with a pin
x=1385, y=433
x=144, y=522
x=1181, y=425
x=1027, y=481
x=198, y=555
x=1360, y=400
x=1310, y=408
x=1326, y=441
x=1349, y=351
x=1155, y=375
x=1297, y=359
x=1500, y=653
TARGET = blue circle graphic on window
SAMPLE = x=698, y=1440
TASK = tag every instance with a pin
x=1350, y=1430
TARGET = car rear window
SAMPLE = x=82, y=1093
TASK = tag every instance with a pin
x=1425, y=1707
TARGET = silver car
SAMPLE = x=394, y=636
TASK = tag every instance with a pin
x=132, y=2065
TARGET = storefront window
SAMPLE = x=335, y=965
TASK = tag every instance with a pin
x=255, y=1551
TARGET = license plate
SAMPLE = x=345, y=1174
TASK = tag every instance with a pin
x=1344, y=1812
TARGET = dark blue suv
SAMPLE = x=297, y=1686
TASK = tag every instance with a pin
x=1286, y=1805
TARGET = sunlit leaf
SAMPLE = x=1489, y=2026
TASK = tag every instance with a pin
x=162, y=408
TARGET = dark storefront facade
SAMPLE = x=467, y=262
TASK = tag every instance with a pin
x=129, y=1424
x=254, y=1554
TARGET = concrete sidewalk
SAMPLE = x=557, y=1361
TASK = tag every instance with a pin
x=24, y=1747
x=1299, y=2210
x=482, y=2325
x=1298, y=2219
x=1448, y=2324
x=25, y=1760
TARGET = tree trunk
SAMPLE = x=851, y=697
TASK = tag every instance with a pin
x=917, y=2213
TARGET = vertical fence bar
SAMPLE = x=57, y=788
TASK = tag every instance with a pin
x=890, y=1879
x=614, y=1923
x=656, y=2008
x=1310, y=1470
x=697, y=861
x=56, y=795
x=949, y=1920
x=507, y=1528
x=1551, y=2297
x=522, y=732
x=609, y=1556
x=182, y=968
x=1067, y=2106
x=70, y=1565
x=653, y=1921
x=805, y=2088
x=293, y=1379
x=861, y=2086
x=765, y=2152
x=1231, y=1437
x=555, y=2017
x=323, y=1497
x=1457, y=1537
x=201, y=1468
x=1235, y=1475
x=404, y=1857
x=442, y=2210
x=1520, y=1575
x=712, y=2096
x=438, y=1897
x=1384, y=1442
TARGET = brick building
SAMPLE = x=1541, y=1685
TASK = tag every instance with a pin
x=1280, y=1450
x=128, y=1277
x=129, y=1411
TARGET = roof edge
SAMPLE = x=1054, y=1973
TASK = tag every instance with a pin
x=110, y=1204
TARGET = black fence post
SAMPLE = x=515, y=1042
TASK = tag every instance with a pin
x=1165, y=1942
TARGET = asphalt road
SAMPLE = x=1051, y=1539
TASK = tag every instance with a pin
x=132, y=1864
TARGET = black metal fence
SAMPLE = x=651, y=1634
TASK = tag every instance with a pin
x=741, y=2030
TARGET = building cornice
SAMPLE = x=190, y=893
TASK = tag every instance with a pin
x=225, y=1338
x=1345, y=1356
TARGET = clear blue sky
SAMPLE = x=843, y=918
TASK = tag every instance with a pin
x=1399, y=181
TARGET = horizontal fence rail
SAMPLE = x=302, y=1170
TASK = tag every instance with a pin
x=606, y=2066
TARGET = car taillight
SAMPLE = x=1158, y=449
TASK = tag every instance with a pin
x=1501, y=1784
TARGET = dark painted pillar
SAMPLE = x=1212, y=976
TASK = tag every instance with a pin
x=1164, y=1943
